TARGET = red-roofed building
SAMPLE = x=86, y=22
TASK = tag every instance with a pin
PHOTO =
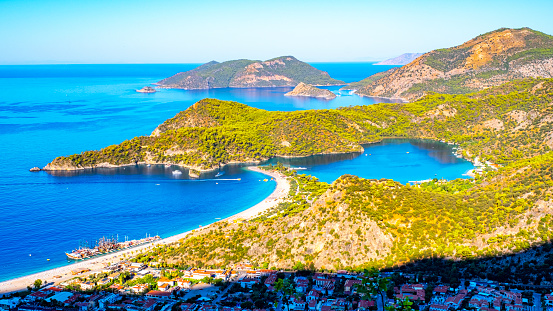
x=313, y=295
x=513, y=308
x=478, y=303
x=549, y=300
x=40, y=295
x=248, y=282
x=149, y=304
x=365, y=305
x=440, y=290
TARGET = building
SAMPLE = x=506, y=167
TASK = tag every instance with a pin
x=350, y=286
x=438, y=307
x=158, y=294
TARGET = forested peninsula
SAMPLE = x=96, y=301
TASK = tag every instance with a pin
x=500, y=124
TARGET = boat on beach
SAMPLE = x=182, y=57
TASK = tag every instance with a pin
x=106, y=246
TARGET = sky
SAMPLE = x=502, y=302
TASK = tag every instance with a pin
x=167, y=31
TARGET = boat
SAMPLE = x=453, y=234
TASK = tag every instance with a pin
x=299, y=168
x=220, y=174
x=176, y=172
x=105, y=246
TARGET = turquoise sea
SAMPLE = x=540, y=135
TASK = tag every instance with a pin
x=52, y=110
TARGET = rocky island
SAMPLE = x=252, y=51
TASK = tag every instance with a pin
x=147, y=89
x=309, y=90
x=244, y=73
x=488, y=60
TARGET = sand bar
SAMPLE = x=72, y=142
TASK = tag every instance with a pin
x=97, y=264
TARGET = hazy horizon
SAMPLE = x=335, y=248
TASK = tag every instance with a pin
x=136, y=32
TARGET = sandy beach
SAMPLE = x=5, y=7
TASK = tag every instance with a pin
x=97, y=264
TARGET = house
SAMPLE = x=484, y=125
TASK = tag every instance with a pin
x=139, y=288
x=312, y=305
x=510, y=307
x=158, y=294
x=364, y=305
x=350, y=286
x=478, y=303
x=104, y=281
x=297, y=304
x=36, y=296
x=313, y=295
x=440, y=290
x=455, y=301
x=184, y=284
x=87, y=285
x=165, y=287
x=163, y=280
x=137, y=266
x=149, y=304
x=247, y=282
x=438, y=307
x=301, y=285
x=109, y=299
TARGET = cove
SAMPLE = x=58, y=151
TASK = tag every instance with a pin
x=402, y=160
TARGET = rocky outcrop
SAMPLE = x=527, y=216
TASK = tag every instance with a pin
x=147, y=89
x=309, y=90
x=243, y=73
x=487, y=60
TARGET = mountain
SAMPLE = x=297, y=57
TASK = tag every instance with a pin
x=403, y=59
x=309, y=90
x=487, y=60
x=243, y=73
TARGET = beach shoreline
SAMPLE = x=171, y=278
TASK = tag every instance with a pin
x=20, y=284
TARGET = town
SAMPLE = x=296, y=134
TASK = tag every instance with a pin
x=136, y=286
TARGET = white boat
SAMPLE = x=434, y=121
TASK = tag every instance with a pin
x=176, y=172
x=299, y=168
x=220, y=174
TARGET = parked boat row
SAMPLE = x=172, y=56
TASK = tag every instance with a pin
x=107, y=245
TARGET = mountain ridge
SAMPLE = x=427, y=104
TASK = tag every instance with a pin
x=402, y=59
x=487, y=60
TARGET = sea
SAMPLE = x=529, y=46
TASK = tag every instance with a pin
x=53, y=110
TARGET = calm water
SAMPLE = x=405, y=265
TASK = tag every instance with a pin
x=47, y=111
x=398, y=159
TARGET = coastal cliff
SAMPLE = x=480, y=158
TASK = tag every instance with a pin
x=243, y=73
x=212, y=132
x=309, y=90
x=485, y=61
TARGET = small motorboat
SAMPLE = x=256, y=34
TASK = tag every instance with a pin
x=219, y=174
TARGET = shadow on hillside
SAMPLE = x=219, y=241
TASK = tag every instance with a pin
x=531, y=268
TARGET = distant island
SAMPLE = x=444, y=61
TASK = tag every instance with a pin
x=146, y=89
x=244, y=73
x=488, y=60
x=309, y=90
x=403, y=59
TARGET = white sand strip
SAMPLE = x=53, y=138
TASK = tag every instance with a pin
x=97, y=264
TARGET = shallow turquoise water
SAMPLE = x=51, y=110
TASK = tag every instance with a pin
x=47, y=111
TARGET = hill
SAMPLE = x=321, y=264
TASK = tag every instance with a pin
x=403, y=59
x=243, y=73
x=356, y=223
x=500, y=124
x=309, y=90
x=487, y=60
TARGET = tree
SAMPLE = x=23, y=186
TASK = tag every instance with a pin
x=286, y=289
x=37, y=283
x=372, y=284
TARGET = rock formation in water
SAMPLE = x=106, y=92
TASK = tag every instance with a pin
x=309, y=90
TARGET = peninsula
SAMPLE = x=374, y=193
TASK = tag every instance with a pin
x=244, y=73
x=488, y=60
x=309, y=90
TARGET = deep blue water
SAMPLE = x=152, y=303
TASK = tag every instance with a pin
x=52, y=110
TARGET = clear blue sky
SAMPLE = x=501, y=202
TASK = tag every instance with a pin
x=167, y=31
